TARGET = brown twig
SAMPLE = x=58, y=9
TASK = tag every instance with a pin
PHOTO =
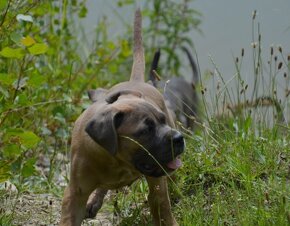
x=157, y=76
x=5, y=13
x=19, y=79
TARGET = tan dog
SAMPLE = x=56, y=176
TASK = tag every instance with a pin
x=125, y=134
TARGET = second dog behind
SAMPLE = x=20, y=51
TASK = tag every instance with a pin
x=180, y=95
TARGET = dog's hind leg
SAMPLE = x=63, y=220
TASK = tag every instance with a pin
x=95, y=202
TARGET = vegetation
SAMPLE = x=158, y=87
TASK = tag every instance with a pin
x=236, y=167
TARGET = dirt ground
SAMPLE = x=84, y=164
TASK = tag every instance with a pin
x=44, y=210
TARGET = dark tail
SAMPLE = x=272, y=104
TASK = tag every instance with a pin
x=154, y=66
x=192, y=64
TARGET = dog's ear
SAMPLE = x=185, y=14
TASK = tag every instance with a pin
x=96, y=94
x=115, y=95
x=103, y=128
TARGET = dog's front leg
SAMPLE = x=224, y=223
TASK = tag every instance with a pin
x=159, y=202
x=95, y=202
x=73, y=206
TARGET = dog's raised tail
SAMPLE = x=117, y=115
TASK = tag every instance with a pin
x=192, y=64
x=138, y=68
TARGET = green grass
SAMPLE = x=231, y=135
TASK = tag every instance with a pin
x=242, y=181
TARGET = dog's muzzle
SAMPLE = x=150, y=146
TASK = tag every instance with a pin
x=163, y=156
x=178, y=146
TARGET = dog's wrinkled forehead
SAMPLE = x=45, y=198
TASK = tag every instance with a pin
x=139, y=108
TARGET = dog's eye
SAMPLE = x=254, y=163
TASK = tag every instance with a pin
x=118, y=119
x=148, y=128
x=150, y=124
x=162, y=119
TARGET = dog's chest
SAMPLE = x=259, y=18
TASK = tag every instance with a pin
x=119, y=178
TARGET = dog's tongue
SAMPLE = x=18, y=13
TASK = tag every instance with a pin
x=175, y=164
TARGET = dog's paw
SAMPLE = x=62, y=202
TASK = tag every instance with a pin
x=92, y=210
x=95, y=203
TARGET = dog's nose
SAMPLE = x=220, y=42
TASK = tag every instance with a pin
x=178, y=141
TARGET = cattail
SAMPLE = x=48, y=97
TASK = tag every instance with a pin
x=275, y=58
x=287, y=92
x=280, y=65
x=275, y=92
x=280, y=49
x=288, y=57
x=246, y=87
x=218, y=86
x=242, y=91
x=243, y=52
x=254, y=14
x=272, y=50
x=260, y=37
x=285, y=75
x=237, y=60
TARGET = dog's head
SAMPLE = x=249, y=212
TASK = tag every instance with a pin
x=137, y=132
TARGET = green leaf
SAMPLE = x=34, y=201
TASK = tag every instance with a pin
x=5, y=93
x=83, y=11
x=38, y=48
x=6, y=79
x=29, y=139
x=5, y=173
x=125, y=48
x=23, y=100
x=13, y=132
x=35, y=80
x=16, y=37
x=12, y=53
x=26, y=138
x=12, y=151
x=27, y=41
x=3, y=4
x=28, y=168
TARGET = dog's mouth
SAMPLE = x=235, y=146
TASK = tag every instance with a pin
x=159, y=169
x=174, y=164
